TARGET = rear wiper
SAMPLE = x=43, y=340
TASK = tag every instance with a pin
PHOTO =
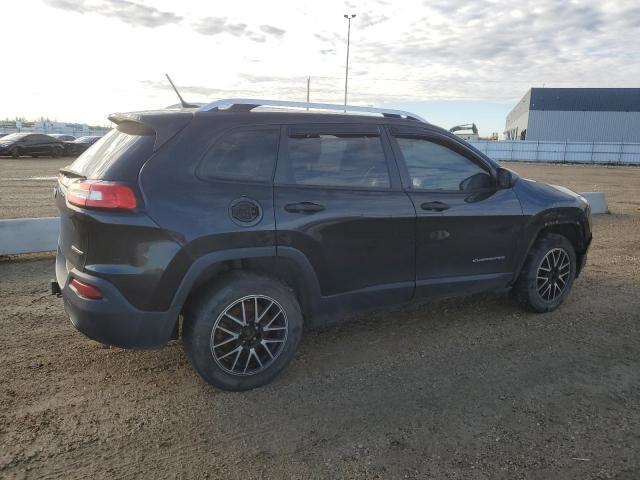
x=71, y=173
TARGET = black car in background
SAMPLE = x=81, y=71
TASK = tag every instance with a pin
x=79, y=145
x=34, y=144
x=63, y=137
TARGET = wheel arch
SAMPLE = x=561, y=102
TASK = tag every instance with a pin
x=570, y=227
x=287, y=265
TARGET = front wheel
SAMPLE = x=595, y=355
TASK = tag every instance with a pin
x=547, y=275
x=242, y=331
x=56, y=153
x=15, y=153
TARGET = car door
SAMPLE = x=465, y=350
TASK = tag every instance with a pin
x=30, y=145
x=43, y=144
x=339, y=201
x=467, y=228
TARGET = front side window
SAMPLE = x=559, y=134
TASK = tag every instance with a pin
x=338, y=160
x=433, y=166
x=242, y=155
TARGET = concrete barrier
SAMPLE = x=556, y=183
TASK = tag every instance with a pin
x=597, y=202
x=29, y=235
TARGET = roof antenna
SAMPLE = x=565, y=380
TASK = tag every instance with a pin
x=182, y=102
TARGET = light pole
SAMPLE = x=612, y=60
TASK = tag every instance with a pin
x=346, y=73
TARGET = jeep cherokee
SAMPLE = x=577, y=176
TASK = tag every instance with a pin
x=238, y=225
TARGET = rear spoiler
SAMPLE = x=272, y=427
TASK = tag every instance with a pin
x=165, y=125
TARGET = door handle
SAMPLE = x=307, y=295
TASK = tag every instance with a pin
x=304, y=207
x=435, y=206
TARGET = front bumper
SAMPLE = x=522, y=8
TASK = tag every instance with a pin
x=111, y=320
x=581, y=259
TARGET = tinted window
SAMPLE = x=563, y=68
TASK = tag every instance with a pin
x=242, y=155
x=14, y=137
x=433, y=166
x=346, y=160
x=128, y=141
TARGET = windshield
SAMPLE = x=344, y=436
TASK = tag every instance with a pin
x=13, y=136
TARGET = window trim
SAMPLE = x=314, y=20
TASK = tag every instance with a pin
x=364, y=129
x=443, y=140
x=247, y=128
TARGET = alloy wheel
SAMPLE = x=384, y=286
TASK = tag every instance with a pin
x=553, y=274
x=249, y=335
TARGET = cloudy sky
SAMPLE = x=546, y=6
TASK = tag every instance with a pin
x=450, y=61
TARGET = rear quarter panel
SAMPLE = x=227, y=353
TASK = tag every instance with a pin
x=196, y=212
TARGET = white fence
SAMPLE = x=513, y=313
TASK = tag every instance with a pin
x=76, y=132
x=559, y=152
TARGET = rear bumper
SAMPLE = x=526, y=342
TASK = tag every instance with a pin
x=112, y=320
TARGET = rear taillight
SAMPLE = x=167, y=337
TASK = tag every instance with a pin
x=96, y=194
x=85, y=290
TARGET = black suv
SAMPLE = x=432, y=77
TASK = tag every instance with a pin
x=33, y=144
x=238, y=227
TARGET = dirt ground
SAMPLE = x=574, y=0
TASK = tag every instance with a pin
x=467, y=389
x=26, y=184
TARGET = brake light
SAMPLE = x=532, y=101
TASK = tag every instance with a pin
x=85, y=290
x=97, y=194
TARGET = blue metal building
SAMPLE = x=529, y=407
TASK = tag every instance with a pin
x=576, y=115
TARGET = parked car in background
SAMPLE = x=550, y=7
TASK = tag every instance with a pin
x=63, y=137
x=34, y=144
x=3, y=135
x=246, y=225
x=79, y=145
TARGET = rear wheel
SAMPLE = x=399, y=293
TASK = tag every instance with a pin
x=243, y=331
x=56, y=152
x=548, y=274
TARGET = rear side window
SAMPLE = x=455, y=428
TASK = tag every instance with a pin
x=247, y=154
x=339, y=160
x=126, y=142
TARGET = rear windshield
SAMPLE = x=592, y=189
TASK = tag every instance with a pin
x=127, y=142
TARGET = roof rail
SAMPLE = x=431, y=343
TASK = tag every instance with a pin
x=251, y=103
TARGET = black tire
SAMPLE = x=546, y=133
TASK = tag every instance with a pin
x=207, y=311
x=56, y=152
x=534, y=285
x=15, y=153
x=35, y=156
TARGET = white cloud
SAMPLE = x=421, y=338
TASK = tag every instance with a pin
x=98, y=56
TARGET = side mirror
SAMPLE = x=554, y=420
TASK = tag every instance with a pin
x=504, y=178
x=478, y=181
